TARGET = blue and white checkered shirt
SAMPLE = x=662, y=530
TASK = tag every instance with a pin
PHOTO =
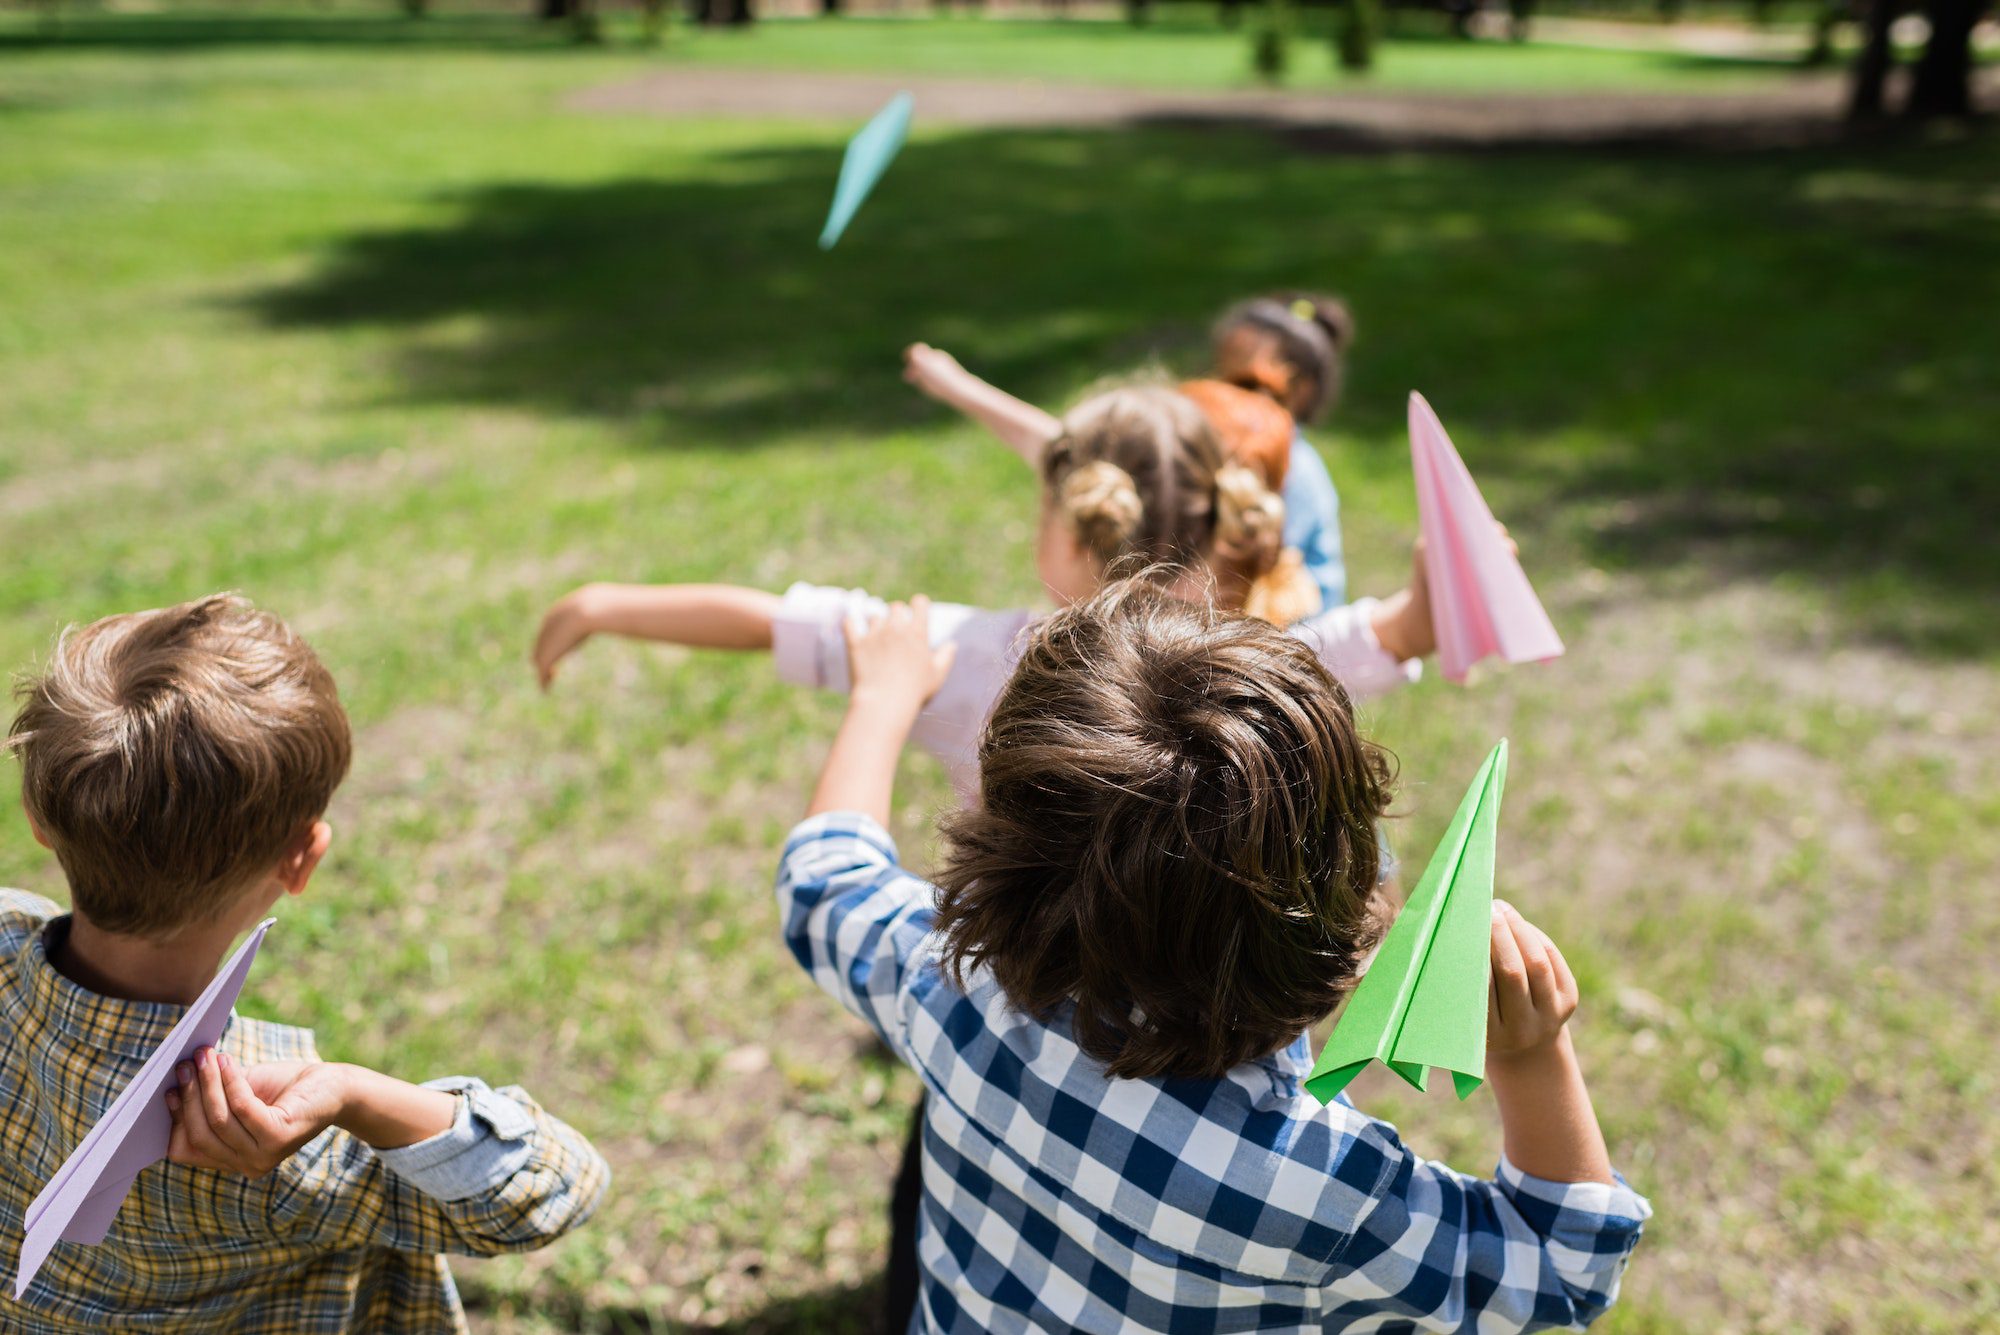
x=1058, y=1198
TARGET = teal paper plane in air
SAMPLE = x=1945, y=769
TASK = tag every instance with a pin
x=868, y=155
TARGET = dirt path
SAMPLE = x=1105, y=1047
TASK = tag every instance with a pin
x=1802, y=109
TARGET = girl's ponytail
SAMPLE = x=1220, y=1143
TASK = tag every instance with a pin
x=1140, y=473
x=1249, y=521
x=1101, y=504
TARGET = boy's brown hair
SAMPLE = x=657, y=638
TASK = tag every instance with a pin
x=1176, y=834
x=171, y=756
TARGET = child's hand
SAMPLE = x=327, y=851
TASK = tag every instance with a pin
x=565, y=626
x=1532, y=993
x=930, y=369
x=249, y=1120
x=1404, y=626
x=892, y=659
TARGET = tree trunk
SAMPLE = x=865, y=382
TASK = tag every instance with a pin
x=1360, y=23
x=653, y=21
x=1826, y=22
x=1941, y=84
x=1871, y=67
x=715, y=13
x=1271, y=50
x=551, y=10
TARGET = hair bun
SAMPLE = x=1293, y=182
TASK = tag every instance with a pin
x=1249, y=518
x=1101, y=502
x=1330, y=314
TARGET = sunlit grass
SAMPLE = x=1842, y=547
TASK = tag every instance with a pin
x=393, y=343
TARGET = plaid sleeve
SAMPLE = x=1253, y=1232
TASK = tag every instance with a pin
x=545, y=1180
x=1451, y=1252
x=854, y=919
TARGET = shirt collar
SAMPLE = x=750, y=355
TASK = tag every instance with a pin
x=1292, y=1062
x=109, y=1024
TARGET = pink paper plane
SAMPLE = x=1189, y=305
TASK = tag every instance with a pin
x=83, y=1197
x=1481, y=601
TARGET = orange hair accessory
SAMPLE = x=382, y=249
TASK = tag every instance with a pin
x=1255, y=432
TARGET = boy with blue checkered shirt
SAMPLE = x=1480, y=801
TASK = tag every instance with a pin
x=1168, y=880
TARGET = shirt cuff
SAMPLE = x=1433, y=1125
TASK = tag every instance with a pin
x=841, y=826
x=1590, y=1206
x=808, y=635
x=487, y=1143
x=1394, y=672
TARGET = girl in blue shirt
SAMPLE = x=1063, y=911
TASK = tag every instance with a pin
x=1292, y=347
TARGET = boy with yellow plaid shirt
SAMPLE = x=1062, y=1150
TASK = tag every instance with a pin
x=178, y=763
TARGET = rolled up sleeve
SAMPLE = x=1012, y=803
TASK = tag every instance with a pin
x=1445, y=1251
x=488, y=1142
x=506, y=1176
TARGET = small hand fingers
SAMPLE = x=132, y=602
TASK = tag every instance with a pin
x=1535, y=948
x=202, y=1144
x=942, y=658
x=1510, y=981
x=178, y=1148
x=258, y=1121
x=215, y=1102
x=1567, y=993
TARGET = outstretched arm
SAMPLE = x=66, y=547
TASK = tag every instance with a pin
x=702, y=616
x=1020, y=425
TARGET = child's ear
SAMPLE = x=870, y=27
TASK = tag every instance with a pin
x=297, y=866
x=35, y=829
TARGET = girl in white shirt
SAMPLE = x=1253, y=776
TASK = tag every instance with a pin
x=1135, y=478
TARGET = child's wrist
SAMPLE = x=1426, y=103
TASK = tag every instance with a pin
x=1552, y=1055
x=386, y=1113
x=1387, y=623
x=887, y=707
x=350, y=1103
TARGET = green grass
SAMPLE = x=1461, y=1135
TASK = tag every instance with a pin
x=387, y=339
x=1186, y=48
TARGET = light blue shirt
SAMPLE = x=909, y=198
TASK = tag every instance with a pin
x=1312, y=521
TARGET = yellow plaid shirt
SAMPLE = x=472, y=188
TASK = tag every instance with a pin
x=332, y=1241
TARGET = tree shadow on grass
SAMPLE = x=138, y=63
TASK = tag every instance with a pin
x=1786, y=355
x=849, y=1310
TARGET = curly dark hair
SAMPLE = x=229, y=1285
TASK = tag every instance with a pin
x=1176, y=835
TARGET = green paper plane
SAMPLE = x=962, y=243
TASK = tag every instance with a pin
x=1422, y=1002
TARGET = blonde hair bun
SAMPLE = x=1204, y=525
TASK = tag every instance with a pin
x=1101, y=502
x=1249, y=518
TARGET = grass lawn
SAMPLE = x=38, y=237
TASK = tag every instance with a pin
x=1184, y=48
x=388, y=340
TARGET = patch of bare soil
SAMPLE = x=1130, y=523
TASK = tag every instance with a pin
x=1804, y=109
